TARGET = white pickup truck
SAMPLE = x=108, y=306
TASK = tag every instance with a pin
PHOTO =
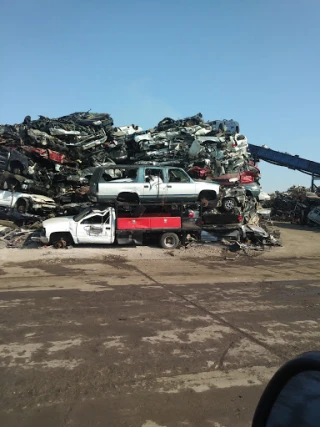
x=96, y=226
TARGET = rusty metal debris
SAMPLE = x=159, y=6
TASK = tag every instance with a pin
x=293, y=205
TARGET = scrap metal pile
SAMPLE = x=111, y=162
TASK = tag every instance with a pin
x=46, y=164
x=56, y=157
x=293, y=205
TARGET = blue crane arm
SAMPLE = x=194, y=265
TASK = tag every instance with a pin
x=284, y=159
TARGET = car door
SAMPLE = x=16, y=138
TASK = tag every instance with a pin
x=154, y=186
x=115, y=180
x=96, y=227
x=180, y=186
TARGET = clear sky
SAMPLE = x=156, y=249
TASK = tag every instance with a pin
x=255, y=61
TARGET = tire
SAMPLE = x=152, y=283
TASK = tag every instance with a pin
x=21, y=205
x=56, y=238
x=228, y=204
x=169, y=241
x=16, y=167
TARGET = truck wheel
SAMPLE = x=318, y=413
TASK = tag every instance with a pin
x=169, y=241
x=228, y=204
x=57, y=239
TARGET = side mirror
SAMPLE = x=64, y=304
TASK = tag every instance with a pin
x=292, y=397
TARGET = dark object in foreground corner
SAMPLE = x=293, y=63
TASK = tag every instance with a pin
x=292, y=397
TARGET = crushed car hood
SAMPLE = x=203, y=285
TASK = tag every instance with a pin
x=42, y=198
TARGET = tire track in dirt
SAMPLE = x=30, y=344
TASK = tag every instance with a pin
x=217, y=318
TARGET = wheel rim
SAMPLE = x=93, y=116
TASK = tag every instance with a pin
x=169, y=242
x=229, y=204
x=21, y=209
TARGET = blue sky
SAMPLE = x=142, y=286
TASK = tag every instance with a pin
x=141, y=60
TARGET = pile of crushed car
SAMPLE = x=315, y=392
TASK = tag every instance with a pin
x=297, y=205
x=53, y=167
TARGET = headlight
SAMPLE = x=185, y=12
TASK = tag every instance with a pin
x=36, y=200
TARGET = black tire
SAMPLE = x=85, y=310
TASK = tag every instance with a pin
x=237, y=130
x=21, y=205
x=169, y=241
x=55, y=238
x=228, y=204
x=16, y=167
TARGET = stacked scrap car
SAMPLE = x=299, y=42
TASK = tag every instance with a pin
x=56, y=158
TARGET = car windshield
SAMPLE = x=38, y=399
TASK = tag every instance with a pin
x=82, y=214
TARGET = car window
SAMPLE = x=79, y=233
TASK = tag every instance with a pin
x=96, y=219
x=153, y=173
x=106, y=218
x=110, y=175
x=82, y=214
x=177, y=175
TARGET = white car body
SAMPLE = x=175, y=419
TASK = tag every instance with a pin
x=229, y=126
x=239, y=144
x=11, y=199
x=314, y=215
x=143, y=137
x=264, y=196
x=90, y=226
x=127, y=130
x=176, y=185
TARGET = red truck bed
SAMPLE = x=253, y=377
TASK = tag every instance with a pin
x=151, y=223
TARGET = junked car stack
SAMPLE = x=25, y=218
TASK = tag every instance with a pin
x=56, y=157
x=53, y=167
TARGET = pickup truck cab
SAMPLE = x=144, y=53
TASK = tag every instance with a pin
x=135, y=183
x=96, y=226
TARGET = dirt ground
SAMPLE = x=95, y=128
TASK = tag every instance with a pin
x=142, y=337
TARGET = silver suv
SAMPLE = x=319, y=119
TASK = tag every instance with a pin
x=148, y=184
